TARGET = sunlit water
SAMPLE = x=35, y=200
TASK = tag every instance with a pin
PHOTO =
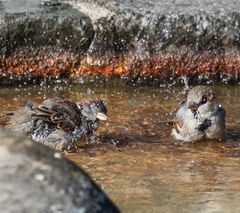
x=135, y=160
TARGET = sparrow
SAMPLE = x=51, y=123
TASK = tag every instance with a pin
x=200, y=116
x=58, y=122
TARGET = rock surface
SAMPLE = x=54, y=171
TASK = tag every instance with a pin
x=137, y=39
x=40, y=38
x=35, y=179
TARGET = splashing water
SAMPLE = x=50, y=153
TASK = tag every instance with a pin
x=134, y=158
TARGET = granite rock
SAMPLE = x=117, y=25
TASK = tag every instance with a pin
x=35, y=179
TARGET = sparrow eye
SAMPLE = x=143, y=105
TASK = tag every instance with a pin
x=204, y=100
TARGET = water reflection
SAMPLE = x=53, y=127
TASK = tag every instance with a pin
x=136, y=161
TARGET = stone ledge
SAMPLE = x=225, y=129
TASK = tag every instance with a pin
x=121, y=38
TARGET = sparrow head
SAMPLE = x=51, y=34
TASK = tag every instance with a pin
x=201, y=99
x=94, y=110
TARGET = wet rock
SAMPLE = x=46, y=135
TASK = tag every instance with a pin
x=158, y=25
x=137, y=39
x=42, y=37
x=35, y=179
x=57, y=25
x=165, y=39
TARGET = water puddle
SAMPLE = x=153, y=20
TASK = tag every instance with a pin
x=136, y=161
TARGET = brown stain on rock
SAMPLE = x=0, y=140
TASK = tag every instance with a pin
x=170, y=64
x=36, y=62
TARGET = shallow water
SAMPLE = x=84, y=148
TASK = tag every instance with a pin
x=134, y=158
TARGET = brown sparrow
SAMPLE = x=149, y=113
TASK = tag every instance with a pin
x=58, y=122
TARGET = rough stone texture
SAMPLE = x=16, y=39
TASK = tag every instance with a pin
x=35, y=179
x=130, y=38
x=165, y=38
x=39, y=38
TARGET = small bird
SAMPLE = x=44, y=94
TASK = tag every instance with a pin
x=199, y=117
x=58, y=122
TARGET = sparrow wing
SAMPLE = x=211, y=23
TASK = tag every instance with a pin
x=180, y=115
x=60, y=112
x=176, y=122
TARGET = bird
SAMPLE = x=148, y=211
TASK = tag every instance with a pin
x=199, y=116
x=58, y=122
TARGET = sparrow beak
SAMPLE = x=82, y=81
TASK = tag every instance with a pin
x=101, y=116
x=193, y=106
